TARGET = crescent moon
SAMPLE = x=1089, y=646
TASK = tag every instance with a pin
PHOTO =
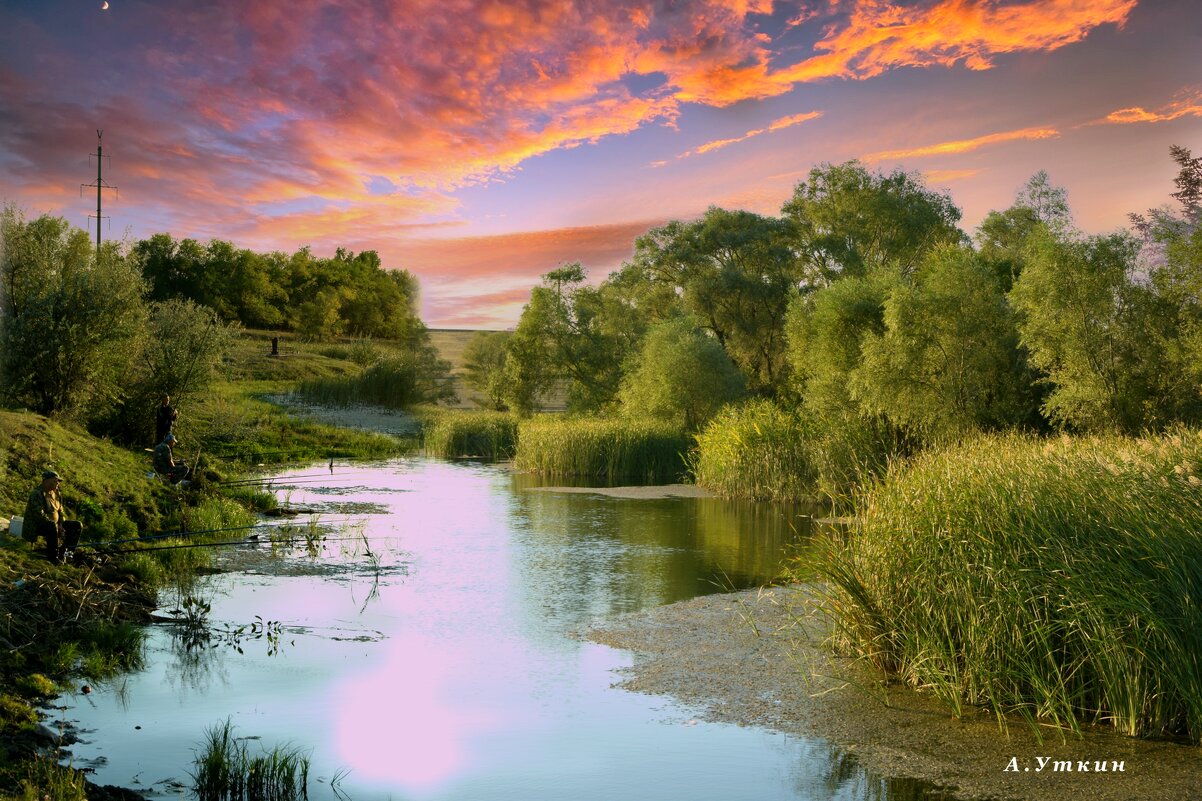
x=104, y=6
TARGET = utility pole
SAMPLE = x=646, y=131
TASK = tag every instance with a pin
x=99, y=186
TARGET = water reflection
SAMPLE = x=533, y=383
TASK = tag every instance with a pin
x=433, y=658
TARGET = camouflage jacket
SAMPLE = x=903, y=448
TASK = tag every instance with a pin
x=43, y=510
x=164, y=460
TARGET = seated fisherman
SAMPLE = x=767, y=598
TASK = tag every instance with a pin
x=44, y=516
x=165, y=463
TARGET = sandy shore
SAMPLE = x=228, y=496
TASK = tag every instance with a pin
x=756, y=658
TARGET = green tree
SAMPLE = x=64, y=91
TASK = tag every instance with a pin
x=1103, y=335
x=947, y=362
x=70, y=317
x=484, y=367
x=681, y=375
x=735, y=272
x=570, y=335
x=847, y=221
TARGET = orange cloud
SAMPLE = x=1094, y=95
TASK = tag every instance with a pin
x=775, y=125
x=881, y=36
x=962, y=145
x=947, y=176
x=1190, y=105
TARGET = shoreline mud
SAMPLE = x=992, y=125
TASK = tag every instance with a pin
x=757, y=658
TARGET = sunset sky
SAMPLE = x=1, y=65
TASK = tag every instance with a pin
x=481, y=143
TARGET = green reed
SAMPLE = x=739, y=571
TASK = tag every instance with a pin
x=602, y=448
x=1057, y=579
x=452, y=434
x=226, y=771
x=757, y=450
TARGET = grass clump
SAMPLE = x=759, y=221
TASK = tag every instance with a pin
x=227, y=771
x=1057, y=579
x=607, y=449
x=758, y=450
x=451, y=434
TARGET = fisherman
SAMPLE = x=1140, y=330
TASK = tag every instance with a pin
x=164, y=419
x=44, y=516
x=165, y=463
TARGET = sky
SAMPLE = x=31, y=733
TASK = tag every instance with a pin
x=481, y=143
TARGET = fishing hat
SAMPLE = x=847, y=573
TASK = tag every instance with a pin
x=170, y=438
x=48, y=474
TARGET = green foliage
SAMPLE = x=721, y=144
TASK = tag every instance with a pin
x=569, y=334
x=735, y=272
x=1102, y=336
x=947, y=362
x=849, y=222
x=599, y=448
x=453, y=434
x=681, y=376
x=1051, y=578
x=484, y=359
x=758, y=450
x=826, y=333
x=69, y=316
x=226, y=770
x=318, y=298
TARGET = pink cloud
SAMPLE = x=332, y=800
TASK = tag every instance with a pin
x=962, y=145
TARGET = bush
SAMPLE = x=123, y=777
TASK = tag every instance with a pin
x=1057, y=579
x=602, y=449
x=492, y=435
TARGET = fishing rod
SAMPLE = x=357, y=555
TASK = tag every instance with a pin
x=249, y=541
x=165, y=535
x=268, y=479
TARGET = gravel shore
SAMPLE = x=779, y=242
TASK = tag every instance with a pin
x=757, y=658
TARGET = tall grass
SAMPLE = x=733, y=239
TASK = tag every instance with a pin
x=607, y=449
x=758, y=450
x=227, y=771
x=1058, y=579
x=391, y=383
x=450, y=434
x=763, y=451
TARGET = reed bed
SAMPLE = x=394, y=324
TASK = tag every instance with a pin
x=392, y=383
x=758, y=450
x=453, y=434
x=601, y=448
x=227, y=771
x=1057, y=579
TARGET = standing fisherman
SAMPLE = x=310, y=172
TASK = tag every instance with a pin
x=164, y=419
x=44, y=516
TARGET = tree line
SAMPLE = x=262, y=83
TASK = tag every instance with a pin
x=864, y=304
x=98, y=333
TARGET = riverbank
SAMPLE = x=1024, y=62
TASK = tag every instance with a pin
x=757, y=658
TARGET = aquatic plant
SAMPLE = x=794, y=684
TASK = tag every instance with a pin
x=490, y=435
x=608, y=449
x=226, y=770
x=1057, y=579
x=758, y=450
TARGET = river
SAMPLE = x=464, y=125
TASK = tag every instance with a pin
x=428, y=648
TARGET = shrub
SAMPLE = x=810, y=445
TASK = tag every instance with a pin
x=1057, y=579
x=600, y=448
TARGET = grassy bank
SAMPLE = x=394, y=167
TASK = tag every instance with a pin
x=610, y=450
x=1056, y=579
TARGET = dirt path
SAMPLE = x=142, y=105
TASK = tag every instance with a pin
x=755, y=658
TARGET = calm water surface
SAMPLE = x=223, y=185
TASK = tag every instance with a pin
x=426, y=652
